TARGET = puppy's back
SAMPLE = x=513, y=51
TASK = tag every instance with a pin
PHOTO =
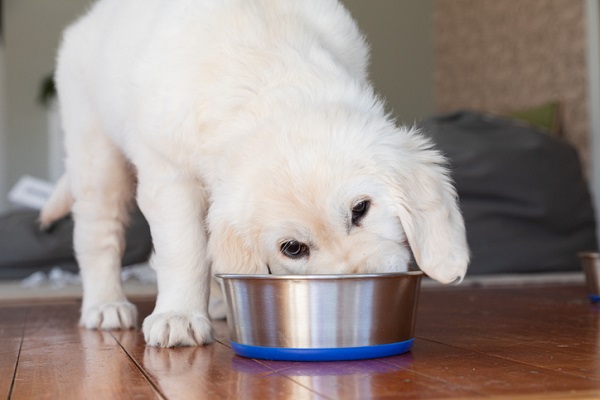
x=147, y=65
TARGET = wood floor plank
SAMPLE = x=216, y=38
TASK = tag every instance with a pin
x=8, y=363
x=209, y=372
x=560, y=332
x=500, y=343
x=59, y=360
x=490, y=375
x=568, y=395
x=11, y=332
x=430, y=370
x=369, y=379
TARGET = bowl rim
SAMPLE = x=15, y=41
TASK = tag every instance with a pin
x=311, y=277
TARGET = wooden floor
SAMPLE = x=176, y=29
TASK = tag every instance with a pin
x=513, y=343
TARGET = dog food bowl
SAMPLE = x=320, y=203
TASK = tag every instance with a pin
x=321, y=317
x=590, y=262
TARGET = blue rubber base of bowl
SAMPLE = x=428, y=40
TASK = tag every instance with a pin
x=326, y=354
x=594, y=298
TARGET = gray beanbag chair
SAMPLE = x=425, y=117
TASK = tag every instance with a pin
x=526, y=205
x=25, y=249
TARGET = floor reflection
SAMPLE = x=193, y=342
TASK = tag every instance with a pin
x=206, y=373
x=104, y=361
x=338, y=379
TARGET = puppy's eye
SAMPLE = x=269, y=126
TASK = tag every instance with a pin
x=359, y=210
x=294, y=249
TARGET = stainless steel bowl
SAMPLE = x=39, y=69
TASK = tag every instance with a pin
x=590, y=261
x=321, y=317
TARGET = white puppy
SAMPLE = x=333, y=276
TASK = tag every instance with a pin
x=256, y=142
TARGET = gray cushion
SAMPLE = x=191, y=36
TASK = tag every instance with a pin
x=526, y=205
x=25, y=249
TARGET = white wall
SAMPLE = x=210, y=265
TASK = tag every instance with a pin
x=402, y=54
x=592, y=12
x=32, y=31
x=3, y=134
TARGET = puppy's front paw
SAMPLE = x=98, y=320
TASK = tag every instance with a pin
x=170, y=329
x=118, y=315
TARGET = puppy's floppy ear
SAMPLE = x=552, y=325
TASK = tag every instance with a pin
x=426, y=203
x=234, y=251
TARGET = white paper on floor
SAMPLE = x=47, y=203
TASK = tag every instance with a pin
x=58, y=278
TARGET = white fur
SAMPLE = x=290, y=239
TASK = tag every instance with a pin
x=246, y=123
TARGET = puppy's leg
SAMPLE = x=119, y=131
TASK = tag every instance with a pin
x=101, y=183
x=175, y=206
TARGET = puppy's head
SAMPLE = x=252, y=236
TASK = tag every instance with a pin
x=336, y=193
